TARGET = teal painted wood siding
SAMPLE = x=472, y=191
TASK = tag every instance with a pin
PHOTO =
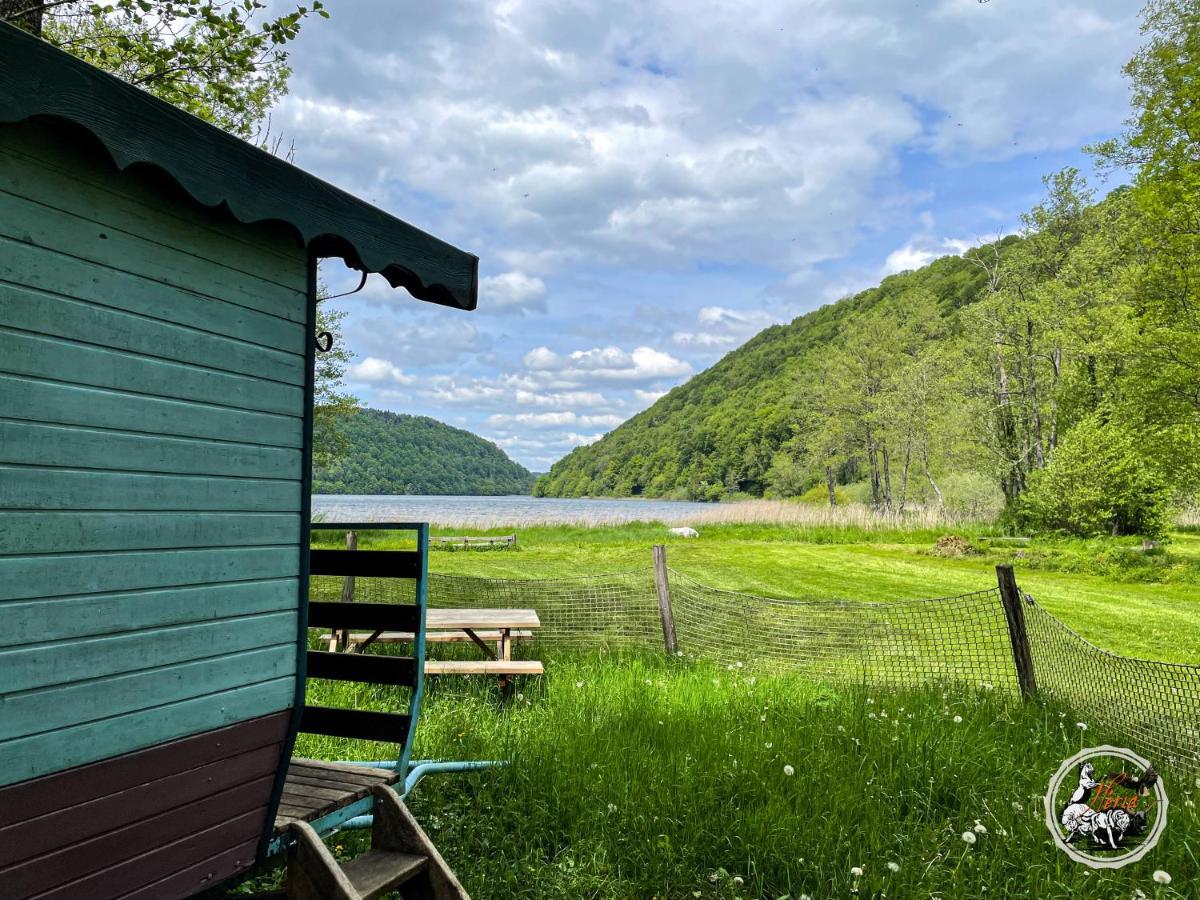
x=152, y=375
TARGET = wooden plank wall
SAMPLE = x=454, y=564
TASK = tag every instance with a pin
x=163, y=822
x=151, y=444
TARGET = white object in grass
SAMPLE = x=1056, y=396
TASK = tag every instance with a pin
x=684, y=531
x=958, y=720
x=968, y=837
x=789, y=771
x=893, y=866
x=856, y=871
x=1161, y=877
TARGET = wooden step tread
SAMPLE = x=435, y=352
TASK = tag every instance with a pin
x=431, y=637
x=484, y=667
x=378, y=871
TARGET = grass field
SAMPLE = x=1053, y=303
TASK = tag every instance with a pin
x=1110, y=591
x=640, y=777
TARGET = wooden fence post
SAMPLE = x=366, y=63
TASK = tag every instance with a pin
x=1014, y=614
x=342, y=637
x=663, y=585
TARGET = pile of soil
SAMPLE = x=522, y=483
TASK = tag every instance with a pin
x=953, y=545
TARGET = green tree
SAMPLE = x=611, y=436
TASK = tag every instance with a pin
x=222, y=60
x=332, y=407
x=1102, y=480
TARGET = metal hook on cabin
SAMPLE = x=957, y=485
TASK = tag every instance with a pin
x=324, y=339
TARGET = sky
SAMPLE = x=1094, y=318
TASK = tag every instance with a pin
x=649, y=184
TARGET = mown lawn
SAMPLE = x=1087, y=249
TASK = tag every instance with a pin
x=1115, y=595
x=639, y=777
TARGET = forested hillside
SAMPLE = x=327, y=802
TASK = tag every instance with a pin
x=719, y=432
x=1057, y=370
x=390, y=453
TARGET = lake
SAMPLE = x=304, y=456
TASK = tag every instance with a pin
x=492, y=511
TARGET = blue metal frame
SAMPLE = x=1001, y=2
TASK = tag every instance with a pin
x=422, y=599
x=360, y=808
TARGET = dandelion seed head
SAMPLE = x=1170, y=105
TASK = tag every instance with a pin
x=737, y=879
x=1161, y=877
x=968, y=837
x=1082, y=726
x=893, y=866
x=958, y=720
x=856, y=871
x=980, y=828
x=789, y=771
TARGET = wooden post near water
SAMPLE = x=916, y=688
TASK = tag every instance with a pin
x=1014, y=614
x=342, y=637
x=663, y=585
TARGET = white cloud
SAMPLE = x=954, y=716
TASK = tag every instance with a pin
x=512, y=292
x=723, y=327
x=579, y=440
x=554, y=419
x=921, y=251
x=375, y=371
x=648, y=397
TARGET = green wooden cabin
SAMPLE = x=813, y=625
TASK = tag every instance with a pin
x=157, y=306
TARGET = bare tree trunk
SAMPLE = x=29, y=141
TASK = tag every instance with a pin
x=1039, y=454
x=1056, y=366
x=904, y=475
x=25, y=14
x=873, y=456
x=937, y=492
x=1012, y=481
x=829, y=484
x=887, y=480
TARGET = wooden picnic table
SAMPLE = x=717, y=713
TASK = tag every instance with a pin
x=479, y=626
x=501, y=621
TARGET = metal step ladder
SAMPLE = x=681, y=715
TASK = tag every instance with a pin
x=401, y=858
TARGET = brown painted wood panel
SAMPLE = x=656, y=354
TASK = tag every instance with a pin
x=199, y=877
x=131, y=874
x=183, y=814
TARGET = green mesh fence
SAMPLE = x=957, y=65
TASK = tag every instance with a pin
x=963, y=639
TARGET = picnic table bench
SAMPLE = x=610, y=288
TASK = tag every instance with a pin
x=483, y=627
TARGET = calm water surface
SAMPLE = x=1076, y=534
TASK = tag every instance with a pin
x=486, y=511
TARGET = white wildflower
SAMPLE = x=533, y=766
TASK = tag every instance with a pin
x=612, y=807
x=1161, y=877
x=520, y=697
x=739, y=665
x=1017, y=806
x=870, y=715
x=958, y=720
x=762, y=718
x=856, y=871
x=579, y=684
x=1082, y=726
x=737, y=879
x=768, y=745
x=893, y=866
x=714, y=877
x=789, y=771
x=980, y=828
x=968, y=837
x=679, y=653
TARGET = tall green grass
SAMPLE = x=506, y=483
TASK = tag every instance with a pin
x=638, y=777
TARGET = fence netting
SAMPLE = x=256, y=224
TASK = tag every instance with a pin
x=962, y=639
